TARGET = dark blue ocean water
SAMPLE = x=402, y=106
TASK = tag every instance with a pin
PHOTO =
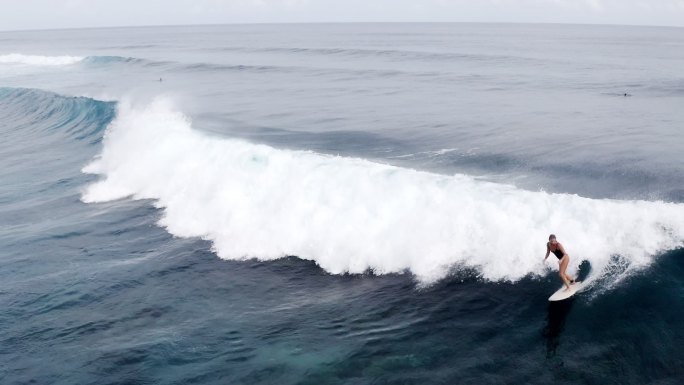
x=341, y=204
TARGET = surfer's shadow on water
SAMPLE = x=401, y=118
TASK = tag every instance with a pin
x=559, y=310
x=557, y=314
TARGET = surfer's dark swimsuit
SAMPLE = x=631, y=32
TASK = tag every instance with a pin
x=559, y=254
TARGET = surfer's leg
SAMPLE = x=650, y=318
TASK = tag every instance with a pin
x=572, y=280
x=563, y=266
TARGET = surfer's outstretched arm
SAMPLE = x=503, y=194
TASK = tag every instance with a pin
x=548, y=251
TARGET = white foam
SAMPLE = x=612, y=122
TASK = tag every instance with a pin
x=351, y=215
x=36, y=60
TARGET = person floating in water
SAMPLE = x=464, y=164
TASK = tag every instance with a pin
x=553, y=246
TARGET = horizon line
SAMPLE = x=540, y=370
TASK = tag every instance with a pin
x=336, y=22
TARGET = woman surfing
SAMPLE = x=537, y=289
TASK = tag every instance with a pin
x=553, y=246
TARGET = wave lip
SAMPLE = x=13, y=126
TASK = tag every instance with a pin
x=111, y=59
x=39, y=114
x=354, y=215
x=38, y=60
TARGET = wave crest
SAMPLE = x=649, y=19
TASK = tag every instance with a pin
x=353, y=215
x=47, y=61
x=38, y=60
x=39, y=113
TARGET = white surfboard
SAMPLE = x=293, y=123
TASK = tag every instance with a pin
x=564, y=293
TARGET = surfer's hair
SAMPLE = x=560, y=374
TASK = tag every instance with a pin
x=552, y=236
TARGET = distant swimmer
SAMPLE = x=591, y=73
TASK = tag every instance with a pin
x=160, y=79
x=626, y=94
x=553, y=246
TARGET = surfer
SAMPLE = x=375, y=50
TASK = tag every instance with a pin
x=553, y=246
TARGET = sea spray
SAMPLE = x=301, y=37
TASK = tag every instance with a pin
x=353, y=215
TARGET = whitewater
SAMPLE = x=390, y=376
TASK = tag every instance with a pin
x=353, y=215
x=38, y=60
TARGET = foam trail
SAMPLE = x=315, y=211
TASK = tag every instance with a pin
x=351, y=215
x=37, y=60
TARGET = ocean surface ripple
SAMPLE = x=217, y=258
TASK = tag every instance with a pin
x=341, y=204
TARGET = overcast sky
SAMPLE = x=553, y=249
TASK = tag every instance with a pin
x=46, y=14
